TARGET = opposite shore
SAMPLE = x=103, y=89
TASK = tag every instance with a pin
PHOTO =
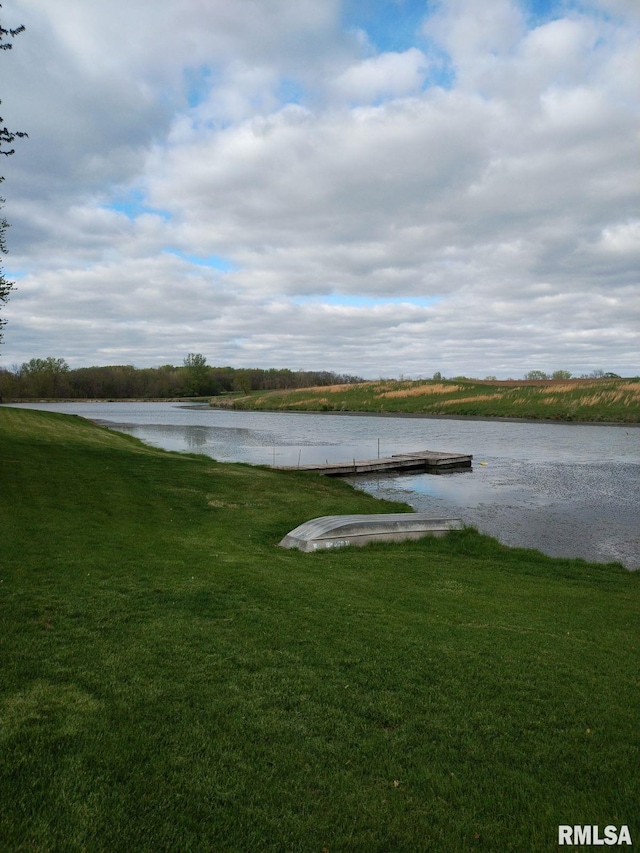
x=244, y=403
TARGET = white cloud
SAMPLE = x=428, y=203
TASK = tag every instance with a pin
x=383, y=76
x=263, y=135
x=623, y=239
x=477, y=35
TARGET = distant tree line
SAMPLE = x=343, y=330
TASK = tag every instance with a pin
x=541, y=374
x=52, y=378
x=538, y=374
x=565, y=374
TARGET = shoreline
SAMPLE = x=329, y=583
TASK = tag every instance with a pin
x=512, y=419
x=348, y=413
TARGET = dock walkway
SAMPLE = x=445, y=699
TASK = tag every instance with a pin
x=431, y=461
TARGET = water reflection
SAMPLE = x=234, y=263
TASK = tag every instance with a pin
x=588, y=511
x=192, y=437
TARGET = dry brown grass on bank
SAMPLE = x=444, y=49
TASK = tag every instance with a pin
x=420, y=390
x=478, y=398
x=313, y=401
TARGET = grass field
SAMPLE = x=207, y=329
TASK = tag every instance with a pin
x=173, y=681
x=567, y=400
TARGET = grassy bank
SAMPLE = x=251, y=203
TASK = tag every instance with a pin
x=173, y=681
x=614, y=400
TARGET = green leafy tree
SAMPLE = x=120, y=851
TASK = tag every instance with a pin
x=536, y=374
x=561, y=374
x=243, y=381
x=197, y=372
x=45, y=377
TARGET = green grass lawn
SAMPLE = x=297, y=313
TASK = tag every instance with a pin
x=563, y=400
x=173, y=681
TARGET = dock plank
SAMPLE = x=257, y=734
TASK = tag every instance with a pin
x=423, y=460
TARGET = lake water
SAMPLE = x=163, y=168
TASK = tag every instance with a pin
x=568, y=490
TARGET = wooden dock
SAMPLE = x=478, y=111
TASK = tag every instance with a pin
x=431, y=461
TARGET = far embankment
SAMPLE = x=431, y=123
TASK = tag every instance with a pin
x=595, y=400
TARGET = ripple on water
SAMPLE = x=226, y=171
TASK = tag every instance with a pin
x=588, y=511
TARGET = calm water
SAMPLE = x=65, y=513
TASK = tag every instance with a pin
x=567, y=489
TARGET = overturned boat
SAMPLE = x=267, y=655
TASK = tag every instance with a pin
x=337, y=531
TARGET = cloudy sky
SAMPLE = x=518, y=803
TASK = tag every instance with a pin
x=380, y=188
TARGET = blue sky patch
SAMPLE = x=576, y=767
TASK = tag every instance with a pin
x=290, y=91
x=216, y=262
x=12, y=273
x=540, y=11
x=391, y=25
x=197, y=84
x=133, y=204
x=396, y=25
